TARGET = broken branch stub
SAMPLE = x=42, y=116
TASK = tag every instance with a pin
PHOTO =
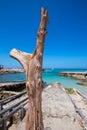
x=32, y=64
x=22, y=57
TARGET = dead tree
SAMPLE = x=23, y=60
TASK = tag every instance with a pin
x=32, y=64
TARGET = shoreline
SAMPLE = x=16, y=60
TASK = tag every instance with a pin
x=76, y=75
x=11, y=71
x=47, y=77
x=81, y=76
x=55, y=100
x=12, y=86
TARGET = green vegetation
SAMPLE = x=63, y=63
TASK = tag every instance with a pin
x=70, y=91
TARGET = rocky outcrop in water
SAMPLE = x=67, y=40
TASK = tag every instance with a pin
x=76, y=75
x=11, y=71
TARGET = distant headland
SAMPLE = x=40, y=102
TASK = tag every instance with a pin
x=11, y=71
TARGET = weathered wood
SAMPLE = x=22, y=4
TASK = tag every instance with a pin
x=32, y=63
x=8, y=113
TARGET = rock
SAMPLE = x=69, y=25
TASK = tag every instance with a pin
x=58, y=110
x=80, y=102
x=83, y=82
x=12, y=86
x=76, y=75
x=11, y=71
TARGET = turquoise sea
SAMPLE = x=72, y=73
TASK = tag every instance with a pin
x=49, y=76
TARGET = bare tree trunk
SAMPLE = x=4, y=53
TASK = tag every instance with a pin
x=32, y=63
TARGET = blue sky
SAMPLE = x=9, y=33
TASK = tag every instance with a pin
x=66, y=41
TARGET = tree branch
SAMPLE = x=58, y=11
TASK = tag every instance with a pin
x=23, y=57
x=41, y=32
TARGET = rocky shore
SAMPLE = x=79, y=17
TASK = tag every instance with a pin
x=11, y=71
x=83, y=82
x=61, y=111
x=12, y=86
x=76, y=75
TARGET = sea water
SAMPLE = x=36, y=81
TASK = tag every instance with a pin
x=49, y=76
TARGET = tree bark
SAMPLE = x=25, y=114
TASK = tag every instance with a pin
x=32, y=64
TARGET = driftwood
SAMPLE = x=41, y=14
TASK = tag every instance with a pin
x=32, y=64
